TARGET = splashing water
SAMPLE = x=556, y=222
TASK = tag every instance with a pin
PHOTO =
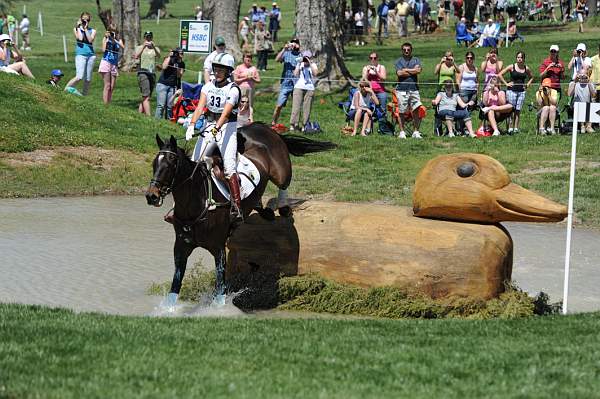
x=207, y=306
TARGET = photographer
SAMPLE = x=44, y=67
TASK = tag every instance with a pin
x=579, y=62
x=112, y=45
x=375, y=74
x=547, y=100
x=8, y=52
x=582, y=91
x=304, y=90
x=553, y=68
x=147, y=53
x=84, y=52
x=170, y=79
x=290, y=57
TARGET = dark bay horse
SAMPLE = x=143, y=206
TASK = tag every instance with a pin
x=190, y=183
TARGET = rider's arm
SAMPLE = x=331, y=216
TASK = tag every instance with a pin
x=225, y=115
x=501, y=74
x=199, y=109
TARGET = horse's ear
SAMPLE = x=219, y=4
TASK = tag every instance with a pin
x=173, y=142
x=159, y=141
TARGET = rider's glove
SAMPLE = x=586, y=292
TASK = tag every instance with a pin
x=189, y=133
x=214, y=131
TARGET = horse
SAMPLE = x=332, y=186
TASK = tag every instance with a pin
x=197, y=221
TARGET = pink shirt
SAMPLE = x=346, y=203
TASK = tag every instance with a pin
x=242, y=72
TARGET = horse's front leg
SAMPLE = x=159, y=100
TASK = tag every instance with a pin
x=181, y=253
x=220, y=288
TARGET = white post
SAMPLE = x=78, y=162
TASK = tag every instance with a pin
x=570, y=209
x=157, y=17
x=17, y=31
x=40, y=23
x=24, y=8
x=65, y=48
x=507, y=18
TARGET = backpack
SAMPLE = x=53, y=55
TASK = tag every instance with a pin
x=385, y=127
x=312, y=127
x=384, y=10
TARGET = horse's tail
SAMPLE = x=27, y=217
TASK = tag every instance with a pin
x=300, y=145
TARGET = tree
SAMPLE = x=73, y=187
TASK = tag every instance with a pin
x=470, y=9
x=224, y=15
x=319, y=27
x=6, y=6
x=125, y=15
x=157, y=6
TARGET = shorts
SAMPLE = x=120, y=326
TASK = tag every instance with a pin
x=284, y=92
x=516, y=99
x=580, y=17
x=447, y=6
x=358, y=30
x=468, y=95
x=408, y=98
x=107, y=67
x=146, y=83
x=84, y=66
x=8, y=70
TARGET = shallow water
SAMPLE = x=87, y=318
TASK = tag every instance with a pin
x=101, y=253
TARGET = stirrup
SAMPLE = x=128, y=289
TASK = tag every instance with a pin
x=211, y=205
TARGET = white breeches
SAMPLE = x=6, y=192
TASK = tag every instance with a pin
x=226, y=140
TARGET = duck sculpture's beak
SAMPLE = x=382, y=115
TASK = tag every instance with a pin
x=477, y=188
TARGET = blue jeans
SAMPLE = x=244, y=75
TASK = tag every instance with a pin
x=163, y=93
x=382, y=97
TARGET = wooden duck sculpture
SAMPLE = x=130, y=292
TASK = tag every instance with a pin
x=463, y=252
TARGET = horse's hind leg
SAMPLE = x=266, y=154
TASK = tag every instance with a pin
x=220, y=288
x=283, y=204
x=181, y=253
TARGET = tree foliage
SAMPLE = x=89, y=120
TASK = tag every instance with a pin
x=6, y=6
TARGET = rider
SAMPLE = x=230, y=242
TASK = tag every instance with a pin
x=219, y=100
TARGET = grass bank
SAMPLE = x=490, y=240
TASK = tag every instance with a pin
x=55, y=353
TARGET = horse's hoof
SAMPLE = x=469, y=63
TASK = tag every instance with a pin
x=285, y=211
x=219, y=300
x=266, y=213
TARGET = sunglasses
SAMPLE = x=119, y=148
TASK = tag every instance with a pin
x=553, y=51
x=470, y=58
x=243, y=102
x=372, y=58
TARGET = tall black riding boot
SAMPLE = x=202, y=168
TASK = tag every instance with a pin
x=236, y=202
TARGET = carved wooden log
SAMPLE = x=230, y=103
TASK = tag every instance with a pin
x=377, y=245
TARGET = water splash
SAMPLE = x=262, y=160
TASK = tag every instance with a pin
x=207, y=306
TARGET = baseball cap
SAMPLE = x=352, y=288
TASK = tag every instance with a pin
x=294, y=40
x=148, y=33
x=219, y=41
x=57, y=72
x=4, y=37
x=554, y=47
x=246, y=19
x=547, y=82
x=178, y=50
x=274, y=4
x=581, y=46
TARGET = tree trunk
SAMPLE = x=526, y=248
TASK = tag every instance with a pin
x=319, y=26
x=105, y=15
x=126, y=15
x=224, y=15
x=470, y=9
x=157, y=6
x=593, y=7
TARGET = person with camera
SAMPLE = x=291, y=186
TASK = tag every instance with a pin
x=170, y=79
x=375, y=73
x=495, y=107
x=147, y=53
x=9, y=52
x=446, y=69
x=547, y=100
x=84, y=52
x=553, y=68
x=112, y=46
x=581, y=90
x=246, y=76
x=289, y=56
x=304, y=90
x=579, y=62
x=219, y=103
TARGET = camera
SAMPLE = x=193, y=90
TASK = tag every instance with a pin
x=298, y=59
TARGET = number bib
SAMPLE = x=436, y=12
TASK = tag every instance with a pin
x=217, y=97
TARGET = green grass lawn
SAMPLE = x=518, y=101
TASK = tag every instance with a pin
x=58, y=354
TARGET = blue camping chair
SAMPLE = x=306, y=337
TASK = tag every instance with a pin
x=462, y=35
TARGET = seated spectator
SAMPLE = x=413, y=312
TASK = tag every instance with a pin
x=246, y=76
x=495, y=108
x=9, y=52
x=581, y=90
x=474, y=29
x=245, y=114
x=553, y=68
x=489, y=35
x=462, y=32
x=361, y=108
x=447, y=102
x=55, y=77
x=547, y=100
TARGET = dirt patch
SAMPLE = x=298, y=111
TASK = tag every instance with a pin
x=565, y=166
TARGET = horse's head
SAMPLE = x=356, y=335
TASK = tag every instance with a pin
x=164, y=167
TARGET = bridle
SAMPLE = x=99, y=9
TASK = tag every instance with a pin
x=164, y=189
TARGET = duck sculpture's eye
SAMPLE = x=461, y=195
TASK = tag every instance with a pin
x=467, y=169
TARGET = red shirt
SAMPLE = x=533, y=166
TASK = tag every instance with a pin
x=555, y=73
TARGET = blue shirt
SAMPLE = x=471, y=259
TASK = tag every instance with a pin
x=84, y=47
x=111, y=54
x=409, y=83
x=290, y=60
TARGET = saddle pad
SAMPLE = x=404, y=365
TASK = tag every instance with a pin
x=246, y=171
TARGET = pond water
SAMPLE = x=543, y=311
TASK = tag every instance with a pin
x=101, y=254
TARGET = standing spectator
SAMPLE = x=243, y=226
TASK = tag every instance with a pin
x=424, y=11
x=553, y=68
x=446, y=4
x=11, y=23
x=84, y=52
x=446, y=69
x=566, y=12
x=112, y=46
x=595, y=75
x=402, y=11
x=7, y=53
x=582, y=91
x=468, y=80
x=361, y=108
x=198, y=13
x=246, y=76
x=254, y=15
x=392, y=15
x=207, y=68
x=244, y=30
x=495, y=107
x=416, y=10
x=491, y=67
x=261, y=36
x=407, y=90
x=148, y=54
x=375, y=74
x=348, y=25
x=290, y=57
x=55, y=77
x=580, y=11
x=170, y=79
x=24, y=29
x=262, y=15
x=547, y=100
x=274, y=21
x=2, y=22
x=579, y=62
x=245, y=114
x=359, y=27
x=304, y=91
x=458, y=8
x=520, y=80
x=383, y=11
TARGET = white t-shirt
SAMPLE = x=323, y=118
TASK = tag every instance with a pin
x=305, y=78
x=358, y=18
x=24, y=25
x=581, y=63
x=208, y=63
x=217, y=97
